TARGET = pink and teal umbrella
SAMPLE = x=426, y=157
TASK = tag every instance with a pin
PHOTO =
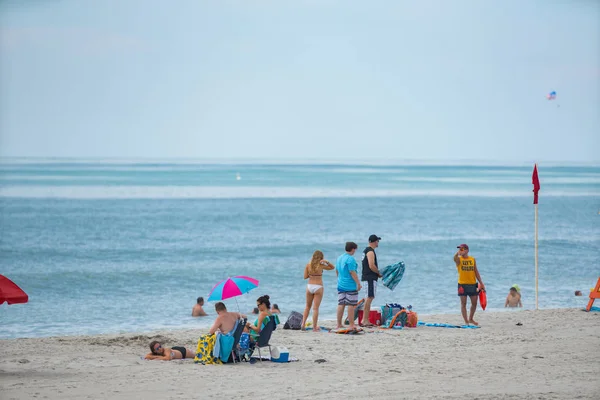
x=232, y=287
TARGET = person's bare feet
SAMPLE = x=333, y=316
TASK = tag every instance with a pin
x=474, y=322
x=317, y=330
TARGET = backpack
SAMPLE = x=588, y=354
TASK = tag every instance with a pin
x=294, y=321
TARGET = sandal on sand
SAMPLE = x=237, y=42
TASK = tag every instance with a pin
x=367, y=325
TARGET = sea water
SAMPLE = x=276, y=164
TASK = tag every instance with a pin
x=128, y=246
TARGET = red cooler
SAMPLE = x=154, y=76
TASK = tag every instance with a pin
x=374, y=317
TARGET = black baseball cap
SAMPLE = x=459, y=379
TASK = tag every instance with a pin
x=374, y=238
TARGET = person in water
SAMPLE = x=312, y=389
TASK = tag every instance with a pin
x=158, y=352
x=314, y=289
x=275, y=309
x=197, y=310
x=514, y=298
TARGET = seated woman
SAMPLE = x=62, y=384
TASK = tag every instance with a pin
x=264, y=316
x=158, y=352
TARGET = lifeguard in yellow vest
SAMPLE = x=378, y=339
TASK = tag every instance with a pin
x=468, y=276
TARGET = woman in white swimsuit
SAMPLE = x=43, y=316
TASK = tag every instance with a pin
x=314, y=290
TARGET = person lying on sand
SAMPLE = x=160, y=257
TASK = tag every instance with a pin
x=158, y=352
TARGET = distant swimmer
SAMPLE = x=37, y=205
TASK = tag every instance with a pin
x=514, y=297
x=238, y=177
x=197, y=310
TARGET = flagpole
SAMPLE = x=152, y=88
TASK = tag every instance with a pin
x=536, y=256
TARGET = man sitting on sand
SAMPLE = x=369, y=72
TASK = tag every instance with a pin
x=225, y=320
x=197, y=310
x=158, y=352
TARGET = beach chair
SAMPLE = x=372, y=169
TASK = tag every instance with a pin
x=265, y=336
x=235, y=352
x=228, y=342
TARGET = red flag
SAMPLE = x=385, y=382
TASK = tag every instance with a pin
x=536, y=184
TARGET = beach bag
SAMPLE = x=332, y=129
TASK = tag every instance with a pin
x=389, y=311
x=294, y=321
x=244, y=351
x=399, y=319
x=396, y=320
x=412, y=319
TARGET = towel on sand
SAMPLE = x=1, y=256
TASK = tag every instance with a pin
x=442, y=325
x=348, y=331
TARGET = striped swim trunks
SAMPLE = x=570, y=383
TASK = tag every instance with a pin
x=347, y=298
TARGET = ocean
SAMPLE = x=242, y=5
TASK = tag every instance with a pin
x=113, y=246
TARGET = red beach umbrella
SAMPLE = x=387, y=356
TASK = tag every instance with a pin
x=10, y=292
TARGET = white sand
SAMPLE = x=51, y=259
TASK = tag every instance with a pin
x=553, y=355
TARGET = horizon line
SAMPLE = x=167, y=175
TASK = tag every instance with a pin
x=298, y=161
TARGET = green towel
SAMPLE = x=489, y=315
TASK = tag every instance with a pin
x=254, y=335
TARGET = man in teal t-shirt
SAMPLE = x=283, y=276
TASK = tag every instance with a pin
x=348, y=284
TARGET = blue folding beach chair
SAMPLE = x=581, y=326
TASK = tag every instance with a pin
x=265, y=336
x=227, y=343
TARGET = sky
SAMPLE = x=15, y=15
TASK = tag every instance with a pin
x=315, y=79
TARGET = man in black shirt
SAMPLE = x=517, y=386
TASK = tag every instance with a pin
x=370, y=274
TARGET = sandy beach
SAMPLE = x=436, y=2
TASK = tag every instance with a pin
x=553, y=354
